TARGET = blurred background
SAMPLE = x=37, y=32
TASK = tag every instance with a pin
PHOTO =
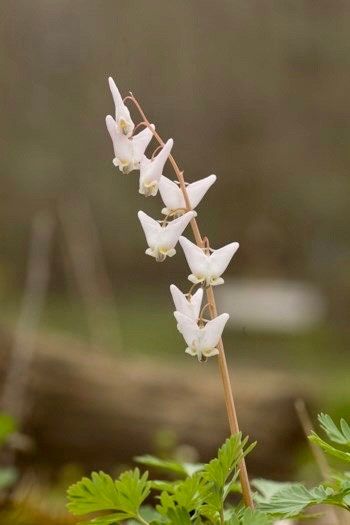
x=92, y=366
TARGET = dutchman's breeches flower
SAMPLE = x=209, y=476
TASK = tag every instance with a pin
x=173, y=197
x=128, y=151
x=122, y=114
x=162, y=238
x=189, y=305
x=201, y=340
x=151, y=170
x=207, y=268
x=202, y=336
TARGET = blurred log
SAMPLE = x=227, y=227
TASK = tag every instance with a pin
x=100, y=410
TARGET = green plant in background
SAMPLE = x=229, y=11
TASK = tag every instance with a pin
x=293, y=499
x=8, y=475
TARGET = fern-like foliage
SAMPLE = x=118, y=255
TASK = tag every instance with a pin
x=197, y=498
x=179, y=469
x=122, y=498
x=221, y=475
x=248, y=517
x=199, y=494
x=293, y=499
x=338, y=435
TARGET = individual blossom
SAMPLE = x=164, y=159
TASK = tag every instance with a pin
x=162, y=238
x=122, y=115
x=207, y=268
x=151, y=170
x=189, y=305
x=173, y=197
x=128, y=152
x=202, y=341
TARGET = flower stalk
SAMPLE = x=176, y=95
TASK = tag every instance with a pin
x=203, y=243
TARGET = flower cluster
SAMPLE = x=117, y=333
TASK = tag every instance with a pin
x=202, y=336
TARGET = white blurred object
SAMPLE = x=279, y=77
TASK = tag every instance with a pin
x=284, y=522
x=272, y=304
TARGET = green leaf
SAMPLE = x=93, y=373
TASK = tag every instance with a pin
x=191, y=493
x=7, y=427
x=221, y=473
x=100, y=493
x=288, y=502
x=221, y=468
x=161, y=486
x=246, y=516
x=255, y=517
x=109, y=519
x=329, y=449
x=176, y=467
x=166, y=503
x=133, y=489
x=93, y=495
x=188, y=494
x=149, y=514
x=293, y=500
x=346, y=500
x=233, y=486
x=337, y=435
x=179, y=516
x=267, y=488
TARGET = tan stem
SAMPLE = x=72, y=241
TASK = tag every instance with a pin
x=307, y=427
x=230, y=405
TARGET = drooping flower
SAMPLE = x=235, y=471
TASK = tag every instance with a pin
x=122, y=114
x=173, y=198
x=128, y=152
x=207, y=267
x=202, y=341
x=162, y=238
x=151, y=170
x=189, y=306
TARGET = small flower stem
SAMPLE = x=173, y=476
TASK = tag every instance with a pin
x=207, y=305
x=156, y=151
x=178, y=172
x=225, y=377
x=190, y=292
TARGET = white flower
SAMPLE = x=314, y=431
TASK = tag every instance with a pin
x=173, y=198
x=128, y=152
x=207, y=268
x=122, y=115
x=162, y=239
x=189, y=306
x=151, y=170
x=201, y=340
